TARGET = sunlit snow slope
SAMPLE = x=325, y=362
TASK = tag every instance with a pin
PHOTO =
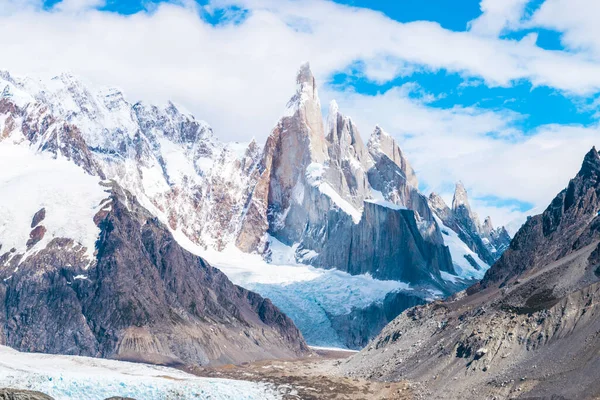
x=31, y=180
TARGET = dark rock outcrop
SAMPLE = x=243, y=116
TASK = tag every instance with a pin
x=38, y=217
x=360, y=326
x=145, y=299
x=119, y=398
x=36, y=235
x=18, y=394
x=571, y=222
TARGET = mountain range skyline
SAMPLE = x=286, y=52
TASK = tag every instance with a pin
x=307, y=199
x=520, y=95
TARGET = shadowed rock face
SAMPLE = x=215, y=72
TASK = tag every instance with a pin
x=374, y=246
x=36, y=235
x=38, y=217
x=361, y=325
x=528, y=330
x=568, y=224
x=145, y=299
x=382, y=143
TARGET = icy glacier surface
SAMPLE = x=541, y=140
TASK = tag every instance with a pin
x=71, y=377
x=306, y=294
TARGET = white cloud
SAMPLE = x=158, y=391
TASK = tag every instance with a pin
x=498, y=16
x=576, y=19
x=238, y=76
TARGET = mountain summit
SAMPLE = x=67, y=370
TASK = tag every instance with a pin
x=571, y=222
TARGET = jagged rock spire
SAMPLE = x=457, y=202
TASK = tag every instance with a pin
x=381, y=142
x=304, y=111
x=343, y=138
x=6, y=92
x=306, y=89
x=487, y=227
x=306, y=81
x=437, y=201
x=591, y=163
x=461, y=197
x=332, y=119
x=462, y=208
x=439, y=207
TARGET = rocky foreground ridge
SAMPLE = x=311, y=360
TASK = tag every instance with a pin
x=528, y=330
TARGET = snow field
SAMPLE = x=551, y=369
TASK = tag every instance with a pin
x=30, y=181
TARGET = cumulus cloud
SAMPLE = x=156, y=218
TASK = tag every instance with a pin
x=239, y=74
x=577, y=20
x=498, y=16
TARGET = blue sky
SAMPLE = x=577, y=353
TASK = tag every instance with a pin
x=501, y=94
x=537, y=105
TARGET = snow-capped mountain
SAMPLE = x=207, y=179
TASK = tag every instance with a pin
x=315, y=194
x=169, y=160
x=343, y=204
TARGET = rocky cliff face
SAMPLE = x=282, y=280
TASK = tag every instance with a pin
x=486, y=241
x=342, y=204
x=529, y=330
x=570, y=223
x=144, y=299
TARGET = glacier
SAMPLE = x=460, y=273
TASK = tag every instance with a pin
x=308, y=295
x=72, y=377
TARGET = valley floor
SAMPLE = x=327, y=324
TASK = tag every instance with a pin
x=312, y=378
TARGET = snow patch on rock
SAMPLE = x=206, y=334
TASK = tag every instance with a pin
x=458, y=250
x=314, y=176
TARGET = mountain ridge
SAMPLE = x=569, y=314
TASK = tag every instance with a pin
x=529, y=329
x=315, y=186
x=145, y=299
